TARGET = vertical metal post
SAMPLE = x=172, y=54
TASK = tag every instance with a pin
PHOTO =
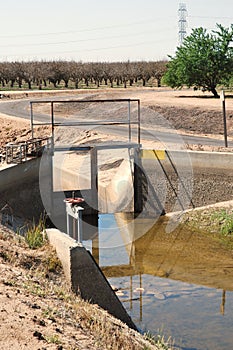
x=139, y=122
x=68, y=223
x=129, y=121
x=32, y=125
x=50, y=164
x=94, y=178
x=222, y=97
x=52, y=119
x=137, y=183
x=79, y=225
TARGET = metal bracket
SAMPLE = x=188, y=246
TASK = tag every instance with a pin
x=74, y=211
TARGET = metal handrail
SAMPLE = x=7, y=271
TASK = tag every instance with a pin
x=54, y=123
x=19, y=152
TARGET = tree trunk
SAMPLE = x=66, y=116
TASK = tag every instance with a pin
x=54, y=82
x=214, y=91
x=20, y=83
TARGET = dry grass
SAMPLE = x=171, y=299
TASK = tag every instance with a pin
x=34, y=286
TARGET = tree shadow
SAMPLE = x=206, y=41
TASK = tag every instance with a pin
x=197, y=96
x=203, y=97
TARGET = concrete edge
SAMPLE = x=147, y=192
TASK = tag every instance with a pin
x=85, y=277
x=203, y=159
x=225, y=204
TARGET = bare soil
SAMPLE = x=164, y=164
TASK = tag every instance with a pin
x=13, y=130
x=187, y=111
x=38, y=310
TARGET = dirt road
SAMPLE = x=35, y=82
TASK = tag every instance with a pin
x=186, y=111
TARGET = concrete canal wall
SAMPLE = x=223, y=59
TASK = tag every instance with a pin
x=198, y=178
x=19, y=189
x=85, y=277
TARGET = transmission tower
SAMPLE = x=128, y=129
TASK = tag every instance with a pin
x=182, y=22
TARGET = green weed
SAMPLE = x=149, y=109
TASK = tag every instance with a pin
x=53, y=339
x=159, y=341
x=34, y=236
x=224, y=220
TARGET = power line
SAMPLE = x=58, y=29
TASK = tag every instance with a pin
x=88, y=50
x=82, y=40
x=211, y=17
x=81, y=30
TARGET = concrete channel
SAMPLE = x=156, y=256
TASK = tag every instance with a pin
x=20, y=189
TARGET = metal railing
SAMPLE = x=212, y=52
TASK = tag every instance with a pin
x=18, y=152
x=53, y=122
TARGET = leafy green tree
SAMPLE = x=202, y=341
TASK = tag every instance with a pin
x=203, y=61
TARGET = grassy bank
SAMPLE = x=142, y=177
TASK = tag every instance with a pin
x=217, y=222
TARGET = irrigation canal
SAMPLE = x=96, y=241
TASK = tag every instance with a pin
x=178, y=284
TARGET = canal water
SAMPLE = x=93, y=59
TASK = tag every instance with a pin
x=178, y=284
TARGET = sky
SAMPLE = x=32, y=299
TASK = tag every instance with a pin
x=103, y=30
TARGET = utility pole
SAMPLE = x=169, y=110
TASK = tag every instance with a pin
x=222, y=98
x=182, y=23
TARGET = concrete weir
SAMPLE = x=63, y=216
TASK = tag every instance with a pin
x=85, y=277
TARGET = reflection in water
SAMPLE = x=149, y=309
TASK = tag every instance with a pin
x=222, y=307
x=175, y=282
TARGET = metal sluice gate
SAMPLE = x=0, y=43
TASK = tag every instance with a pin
x=131, y=125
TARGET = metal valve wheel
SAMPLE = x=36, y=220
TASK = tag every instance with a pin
x=74, y=201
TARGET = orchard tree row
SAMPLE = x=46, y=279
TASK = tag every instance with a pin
x=74, y=74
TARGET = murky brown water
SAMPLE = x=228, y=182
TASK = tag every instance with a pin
x=179, y=283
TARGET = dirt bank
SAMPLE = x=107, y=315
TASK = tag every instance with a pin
x=38, y=311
